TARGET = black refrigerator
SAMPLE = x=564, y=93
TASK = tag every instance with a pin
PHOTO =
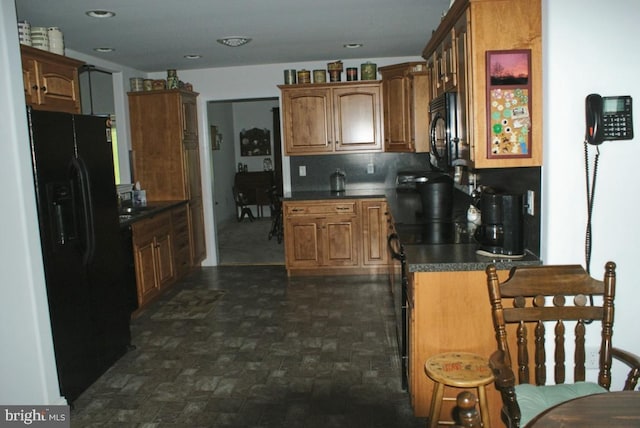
x=90, y=291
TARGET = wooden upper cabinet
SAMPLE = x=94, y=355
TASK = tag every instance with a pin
x=332, y=118
x=50, y=80
x=158, y=129
x=406, y=107
x=456, y=53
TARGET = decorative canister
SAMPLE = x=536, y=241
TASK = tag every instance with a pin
x=289, y=77
x=159, y=85
x=336, y=65
x=319, y=76
x=137, y=84
x=304, y=76
x=335, y=75
x=368, y=71
x=352, y=74
x=147, y=84
x=56, y=40
x=172, y=79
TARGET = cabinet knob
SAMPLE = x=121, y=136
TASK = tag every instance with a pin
x=34, y=87
x=43, y=89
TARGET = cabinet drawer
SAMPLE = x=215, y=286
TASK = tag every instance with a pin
x=321, y=208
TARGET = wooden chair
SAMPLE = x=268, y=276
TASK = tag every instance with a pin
x=242, y=202
x=468, y=416
x=532, y=300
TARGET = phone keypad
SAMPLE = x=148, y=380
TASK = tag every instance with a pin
x=618, y=127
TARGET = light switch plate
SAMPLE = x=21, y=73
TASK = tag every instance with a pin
x=370, y=168
x=302, y=171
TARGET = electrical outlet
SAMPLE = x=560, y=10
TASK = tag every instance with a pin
x=302, y=171
x=370, y=168
x=592, y=357
x=531, y=196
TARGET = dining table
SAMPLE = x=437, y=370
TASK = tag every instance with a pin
x=620, y=409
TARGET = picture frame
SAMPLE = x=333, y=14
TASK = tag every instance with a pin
x=508, y=103
x=255, y=142
x=216, y=138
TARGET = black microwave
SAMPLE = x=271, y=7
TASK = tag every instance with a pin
x=446, y=149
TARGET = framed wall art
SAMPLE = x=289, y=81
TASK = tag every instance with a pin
x=216, y=138
x=255, y=142
x=509, y=103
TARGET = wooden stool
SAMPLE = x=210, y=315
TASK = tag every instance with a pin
x=458, y=370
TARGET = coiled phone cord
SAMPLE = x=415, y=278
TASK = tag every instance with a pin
x=591, y=188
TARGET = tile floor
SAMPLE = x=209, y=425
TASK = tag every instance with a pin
x=269, y=351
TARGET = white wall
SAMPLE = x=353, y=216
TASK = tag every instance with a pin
x=596, y=52
x=223, y=161
x=27, y=363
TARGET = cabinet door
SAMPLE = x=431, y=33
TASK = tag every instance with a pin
x=397, y=135
x=302, y=242
x=196, y=231
x=357, y=118
x=164, y=258
x=181, y=240
x=189, y=118
x=374, y=233
x=307, y=121
x=464, y=89
x=192, y=169
x=449, y=64
x=339, y=241
x=147, y=284
x=50, y=81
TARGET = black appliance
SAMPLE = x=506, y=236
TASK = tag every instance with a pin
x=401, y=302
x=443, y=131
x=90, y=291
x=501, y=230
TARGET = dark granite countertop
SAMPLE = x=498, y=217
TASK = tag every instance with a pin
x=137, y=213
x=316, y=195
x=422, y=255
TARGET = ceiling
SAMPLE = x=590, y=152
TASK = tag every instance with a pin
x=155, y=35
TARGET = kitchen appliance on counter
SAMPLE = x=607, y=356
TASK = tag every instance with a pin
x=337, y=181
x=90, y=291
x=501, y=229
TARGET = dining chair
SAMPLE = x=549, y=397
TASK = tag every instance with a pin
x=563, y=300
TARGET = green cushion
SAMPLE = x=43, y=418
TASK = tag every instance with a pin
x=536, y=399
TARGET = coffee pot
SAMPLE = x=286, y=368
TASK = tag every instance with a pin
x=501, y=228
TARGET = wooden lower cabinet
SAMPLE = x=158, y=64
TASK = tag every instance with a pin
x=375, y=229
x=332, y=237
x=450, y=311
x=153, y=254
x=321, y=234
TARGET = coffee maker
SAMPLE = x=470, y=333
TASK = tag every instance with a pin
x=501, y=231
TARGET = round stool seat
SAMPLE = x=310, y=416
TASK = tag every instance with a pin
x=459, y=369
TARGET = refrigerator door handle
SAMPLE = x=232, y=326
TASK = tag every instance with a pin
x=79, y=171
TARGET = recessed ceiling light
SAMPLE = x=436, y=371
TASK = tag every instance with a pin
x=234, y=41
x=193, y=56
x=103, y=50
x=100, y=13
x=352, y=45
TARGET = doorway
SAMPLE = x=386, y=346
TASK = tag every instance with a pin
x=245, y=241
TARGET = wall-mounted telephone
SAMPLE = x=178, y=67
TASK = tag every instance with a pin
x=608, y=118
